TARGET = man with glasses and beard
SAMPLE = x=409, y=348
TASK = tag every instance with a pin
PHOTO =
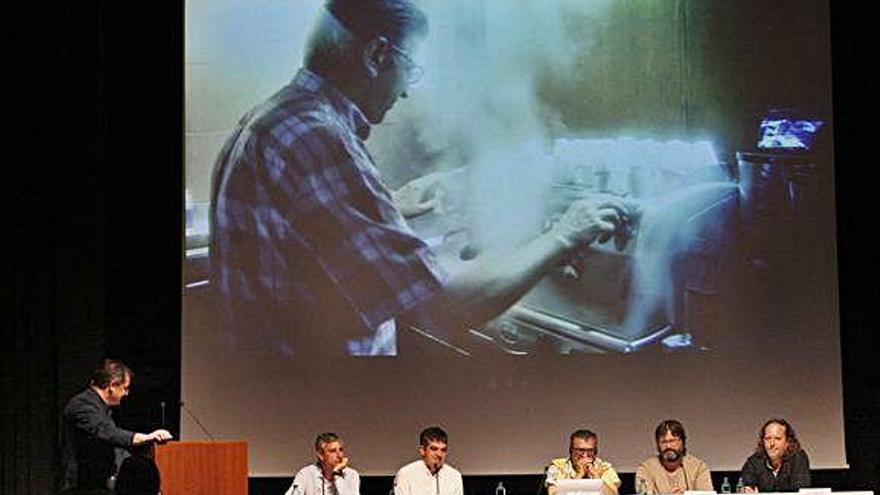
x=672, y=470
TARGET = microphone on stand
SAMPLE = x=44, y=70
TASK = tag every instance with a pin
x=193, y=416
x=162, y=405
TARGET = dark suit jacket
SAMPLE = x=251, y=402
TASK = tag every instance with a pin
x=90, y=438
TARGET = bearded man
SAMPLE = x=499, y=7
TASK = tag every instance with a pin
x=672, y=470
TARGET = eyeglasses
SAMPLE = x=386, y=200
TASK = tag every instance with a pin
x=414, y=71
x=579, y=450
x=669, y=441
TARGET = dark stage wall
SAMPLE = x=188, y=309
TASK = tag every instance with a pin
x=96, y=244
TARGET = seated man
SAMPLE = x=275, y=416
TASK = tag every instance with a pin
x=582, y=462
x=672, y=470
x=779, y=464
x=431, y=474
x=330, y=474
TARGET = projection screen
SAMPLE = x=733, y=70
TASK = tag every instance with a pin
x=716, y=304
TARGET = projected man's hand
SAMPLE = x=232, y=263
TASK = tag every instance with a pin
x=625, y=229
x=419, y=196
x=586, y=220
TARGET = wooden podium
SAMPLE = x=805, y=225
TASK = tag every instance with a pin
x=203, y=468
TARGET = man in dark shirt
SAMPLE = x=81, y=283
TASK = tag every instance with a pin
x=91, y=436
x=779, y=464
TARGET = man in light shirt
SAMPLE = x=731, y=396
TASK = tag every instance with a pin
x=673, y=470
x=330, y=474
x=582, y=462
x=431, y=474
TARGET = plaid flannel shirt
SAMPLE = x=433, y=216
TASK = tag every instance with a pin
x=306, y=242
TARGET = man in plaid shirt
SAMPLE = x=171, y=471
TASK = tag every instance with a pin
x=309, y=248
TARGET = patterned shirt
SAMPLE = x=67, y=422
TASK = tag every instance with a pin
x=306, y=242
x=563, y=469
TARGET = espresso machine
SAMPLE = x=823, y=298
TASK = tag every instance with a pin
x=620, y=296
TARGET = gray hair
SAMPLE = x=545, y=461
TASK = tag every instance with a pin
x=345, y=25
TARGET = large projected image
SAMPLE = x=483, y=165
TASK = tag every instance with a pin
x=634, y=191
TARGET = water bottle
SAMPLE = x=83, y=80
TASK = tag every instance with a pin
x=725, y=485
x=641, y=486
x=740, y=487
x=500, y=490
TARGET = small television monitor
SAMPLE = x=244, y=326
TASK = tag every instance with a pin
x=788, y=130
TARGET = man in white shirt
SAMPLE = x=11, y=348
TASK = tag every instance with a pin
x=430, y=475
x=330, y=474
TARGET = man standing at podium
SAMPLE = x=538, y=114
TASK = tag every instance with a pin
x=330, y=474
x=91, y=437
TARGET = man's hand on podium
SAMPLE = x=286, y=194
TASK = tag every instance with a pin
x=158, y=436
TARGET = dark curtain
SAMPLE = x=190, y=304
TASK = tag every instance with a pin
x=92, y=226
x=28, y=350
